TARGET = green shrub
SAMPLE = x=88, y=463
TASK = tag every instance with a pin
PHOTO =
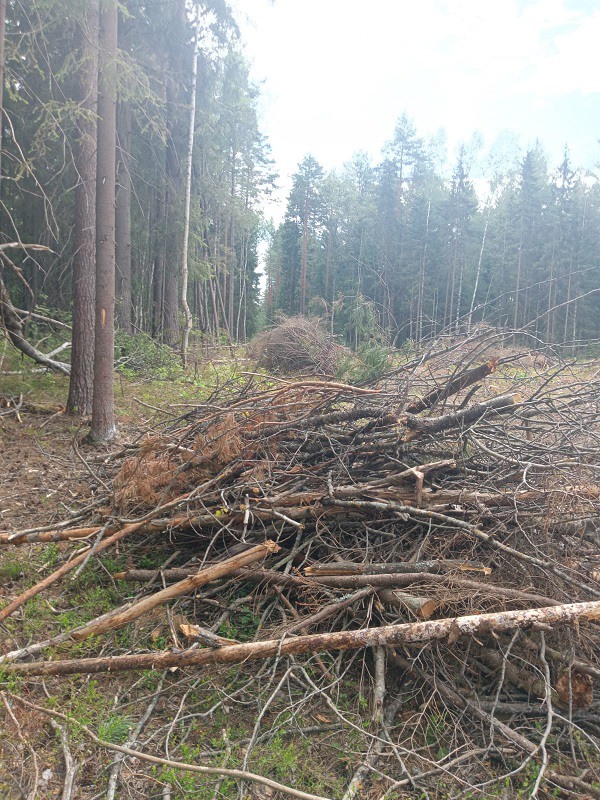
x=370, y=361
x=139, y=355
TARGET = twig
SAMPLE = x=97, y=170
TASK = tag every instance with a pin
x=113, y=774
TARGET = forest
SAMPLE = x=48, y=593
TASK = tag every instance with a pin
x=405, y=248
x=298, y=495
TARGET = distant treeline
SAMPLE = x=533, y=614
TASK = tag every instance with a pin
x=404, y=248
x=415, y=252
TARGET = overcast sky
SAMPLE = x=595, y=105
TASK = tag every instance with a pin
x=336, y=74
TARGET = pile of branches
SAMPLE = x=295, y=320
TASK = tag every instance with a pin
x=443, y=528
x=299, y=345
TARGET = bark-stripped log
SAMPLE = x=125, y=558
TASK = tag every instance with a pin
x=421, y=607
x=451, y=629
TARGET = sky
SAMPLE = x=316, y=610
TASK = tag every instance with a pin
x=337, y=74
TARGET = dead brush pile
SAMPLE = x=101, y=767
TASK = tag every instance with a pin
x=299, y=345
x=434, y=540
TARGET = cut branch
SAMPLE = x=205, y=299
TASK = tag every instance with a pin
x=186, y=586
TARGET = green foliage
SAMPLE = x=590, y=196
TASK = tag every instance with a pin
x=11, y=570
x=115, y=729
x=279, y=759
x=242, y=628
x=370, y=361
x=141, y=356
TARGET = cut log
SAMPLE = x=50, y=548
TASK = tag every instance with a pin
x=421, y=607
x=450, y=629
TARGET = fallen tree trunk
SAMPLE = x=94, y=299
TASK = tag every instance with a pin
x=450, y=629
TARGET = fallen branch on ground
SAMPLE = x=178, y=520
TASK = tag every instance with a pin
x=450, y=629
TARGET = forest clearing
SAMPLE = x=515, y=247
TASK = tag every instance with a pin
x=299, y=401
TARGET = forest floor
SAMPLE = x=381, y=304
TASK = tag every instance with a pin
x=196, y=716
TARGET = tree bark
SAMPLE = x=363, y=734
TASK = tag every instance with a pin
x=81, y=385
x=103, y=404
x=123, y=219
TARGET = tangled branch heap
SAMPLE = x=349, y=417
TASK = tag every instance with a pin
x=437, y=521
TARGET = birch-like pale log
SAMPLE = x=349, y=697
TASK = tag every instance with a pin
x=451, y=629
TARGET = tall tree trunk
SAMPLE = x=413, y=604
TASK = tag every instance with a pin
x=174, y=132
x=304, y=260
x=478, y=272
x=84, y=261
x=421, y=287
x=158, y=272
x=173, y=182
x=231, y=281
x=2, y=26
x=123, y=218
x=188, y=195
x=103, y=405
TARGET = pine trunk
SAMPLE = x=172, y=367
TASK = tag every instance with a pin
x=103, y=406
x=81, y=385
x=2, y=27
x=186, y=212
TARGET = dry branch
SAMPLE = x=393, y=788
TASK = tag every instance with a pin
x=450, y=629
x=128, y=751
x=504, y=404
x=461, y=381
x=186, y=586
x=14, y=328
x=380, y=511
